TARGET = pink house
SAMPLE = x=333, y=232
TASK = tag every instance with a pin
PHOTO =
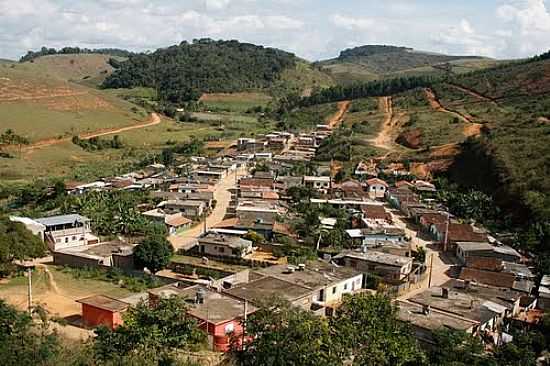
x=220, y=316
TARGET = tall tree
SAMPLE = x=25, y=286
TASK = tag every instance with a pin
x=154, y=252
x=150, y=330
x=367, y=330
x=17, y=243
x=286, y=335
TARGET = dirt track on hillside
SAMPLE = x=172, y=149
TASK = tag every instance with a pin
x=338, y=117
x=154, y=120
x=390, y=125
x=472, y=128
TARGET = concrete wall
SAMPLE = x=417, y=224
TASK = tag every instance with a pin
x=335, y=293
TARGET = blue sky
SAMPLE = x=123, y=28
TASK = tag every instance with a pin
x=311, y=29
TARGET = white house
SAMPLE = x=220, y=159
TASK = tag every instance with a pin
x=61, y=232
x=377, y=188
x=319, y=183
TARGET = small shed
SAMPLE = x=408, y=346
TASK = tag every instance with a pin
x=102, y=310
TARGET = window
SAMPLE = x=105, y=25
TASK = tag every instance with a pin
x=74, y=237
x=334, y=290
x=345, y=286
x=221, y=249
x=66, y=240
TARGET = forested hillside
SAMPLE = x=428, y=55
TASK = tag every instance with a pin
x=45, y=51
x=181, y=73
x=511, y=159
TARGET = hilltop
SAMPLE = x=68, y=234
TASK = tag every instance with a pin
x=372, y=62
x=185, y=71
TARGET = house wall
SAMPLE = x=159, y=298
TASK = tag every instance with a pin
x=333, y=294
x=376, y=238
x=59, y=242
x=265, y=216
x=377, y=191
x=93, y=317
x=72, y=260
x=388, y=272
x=216, y=250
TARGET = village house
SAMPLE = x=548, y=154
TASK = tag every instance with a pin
x=388, y=266
x=400, y=196
x=377, y=188
x=377, y=234
x=114, y=254
x=425, y=321
x=349, y=189
x=259, y=211
x=190, y=209
x=257, y=183
x=316, y=286
x=220, y=245
x=102, y=310
x=496, y=279
x=219, y=315
x=175, y=223
x=485, y=305
x=464, y=250
x=457, y=232
x=375, y=215
x=321, y=184
x=61, y=232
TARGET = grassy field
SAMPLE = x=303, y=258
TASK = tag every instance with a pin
x=364, y=117
x=235, y=102
x=38, y=105
x=301, y=80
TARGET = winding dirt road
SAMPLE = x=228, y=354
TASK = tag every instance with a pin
x=153, y=120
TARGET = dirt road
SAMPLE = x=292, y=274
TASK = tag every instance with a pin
x=222, y=197
x=473, y=93
x=153, y=120
x=440, y=264
x=472, y=128
x=385, y=138
x=338, y=117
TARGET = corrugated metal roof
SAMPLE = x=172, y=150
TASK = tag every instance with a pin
x=62, y=220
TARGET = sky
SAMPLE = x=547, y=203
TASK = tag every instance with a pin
x=312, y=29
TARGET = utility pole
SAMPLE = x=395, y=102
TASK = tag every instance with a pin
x=445, y=243
x=244, y=323
x=29, y=294
x=431, y=268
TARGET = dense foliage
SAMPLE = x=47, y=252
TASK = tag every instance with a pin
x=113, y=213
x=364, y=330
x=338, y=93
x=17, y=243
x=97, y=144
x=370, y=50
x=9, y=137
x=183, y=72
x=44, y=51
x=156, y=330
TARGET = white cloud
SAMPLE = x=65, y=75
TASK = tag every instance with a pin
x=351, y=23
x=216, y=4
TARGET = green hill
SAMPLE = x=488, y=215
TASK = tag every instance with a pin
x=372, y=62
x=186, y=71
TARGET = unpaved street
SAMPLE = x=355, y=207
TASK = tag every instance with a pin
x=222, y=197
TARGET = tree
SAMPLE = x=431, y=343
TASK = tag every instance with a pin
x=283, y=334
x=150, y=330
x=452, y=347
x=24, y=343
x=366, y=328
x=154, y=252
x=17, y=243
